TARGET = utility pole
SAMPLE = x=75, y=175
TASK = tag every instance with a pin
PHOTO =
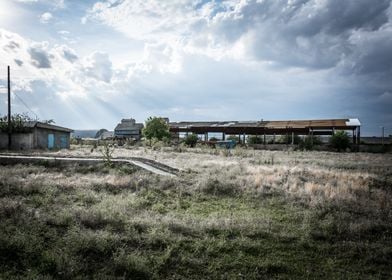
x=9, y=110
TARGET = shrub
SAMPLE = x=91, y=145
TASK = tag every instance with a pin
x=340, y=141
x=214, y=139
x=191, y=140
x=107, y=152
x=309, y=142
x=287, y=139
x=156, y=128
x=255, y=140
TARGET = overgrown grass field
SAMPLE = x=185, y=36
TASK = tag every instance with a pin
x=241, y=214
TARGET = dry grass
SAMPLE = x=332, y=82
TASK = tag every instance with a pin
x=238, y=214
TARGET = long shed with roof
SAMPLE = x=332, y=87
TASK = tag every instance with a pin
x=266, y=128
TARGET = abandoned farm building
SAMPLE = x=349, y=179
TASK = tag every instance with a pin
x=128, y=128
x=269, y=128
x=37, y=135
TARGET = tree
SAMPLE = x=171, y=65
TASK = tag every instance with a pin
x=156, y=128
x=340, y=140
x=18, y=122
x=191, y=140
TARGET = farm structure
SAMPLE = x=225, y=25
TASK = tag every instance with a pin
x=269, y=128
x=37, y=135
x=128, y=128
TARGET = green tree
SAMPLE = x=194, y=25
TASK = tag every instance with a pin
x=18, y=122
x=340, y=140
x=156, y=128
x=191, y=140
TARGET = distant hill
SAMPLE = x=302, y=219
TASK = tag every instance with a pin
x=84, y=133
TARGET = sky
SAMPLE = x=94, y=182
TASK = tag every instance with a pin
x=88, y=64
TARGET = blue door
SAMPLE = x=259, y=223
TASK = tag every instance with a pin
x=50, y=141
x=63, y=142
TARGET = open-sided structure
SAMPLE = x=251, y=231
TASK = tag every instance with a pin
x=266, y=128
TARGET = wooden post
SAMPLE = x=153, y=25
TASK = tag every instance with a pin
x=223, y=136
x=264, y=139
x=354, y=138
x=9, y=109
x=273, y=141
x=205, y=136
x=358, y=137
x=243, y=137
x=292, y=138
x=311, y=136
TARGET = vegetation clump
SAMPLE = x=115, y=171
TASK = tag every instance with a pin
x=191, y=140
x=156, y=127
x=340, y=141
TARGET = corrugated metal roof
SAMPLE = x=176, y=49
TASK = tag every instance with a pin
x=33, y=124
x=328, y=123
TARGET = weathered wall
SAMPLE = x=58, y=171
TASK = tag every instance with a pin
x=20, y=141
x=38, y=139
x=41, y=138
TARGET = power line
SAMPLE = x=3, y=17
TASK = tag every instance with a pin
x=21, y=100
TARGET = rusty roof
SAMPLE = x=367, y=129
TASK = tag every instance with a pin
x=326, y=123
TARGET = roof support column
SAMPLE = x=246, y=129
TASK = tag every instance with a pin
x=358, y=136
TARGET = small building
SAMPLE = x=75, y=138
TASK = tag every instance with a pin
x=128, y=128
x=37, y=135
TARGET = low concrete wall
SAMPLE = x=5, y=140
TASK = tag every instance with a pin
x=20, y=141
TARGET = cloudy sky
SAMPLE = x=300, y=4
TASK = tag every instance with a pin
x=87, y=64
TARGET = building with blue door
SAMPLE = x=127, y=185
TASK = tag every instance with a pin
x=37, y=135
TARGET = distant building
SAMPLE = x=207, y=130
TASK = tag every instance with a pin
x=128, y=128
x=37, y=135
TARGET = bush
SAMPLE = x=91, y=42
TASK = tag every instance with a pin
x=156, y=128
x=340, y=141
x=309, y=142
x=191, y=140
x=287, y=139
x=255, y=140
x=214, y=139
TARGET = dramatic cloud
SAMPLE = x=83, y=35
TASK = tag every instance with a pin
x=309, y=34
x=98, y=66
x=68, y=53
x=40, y=58
x=197, y=59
